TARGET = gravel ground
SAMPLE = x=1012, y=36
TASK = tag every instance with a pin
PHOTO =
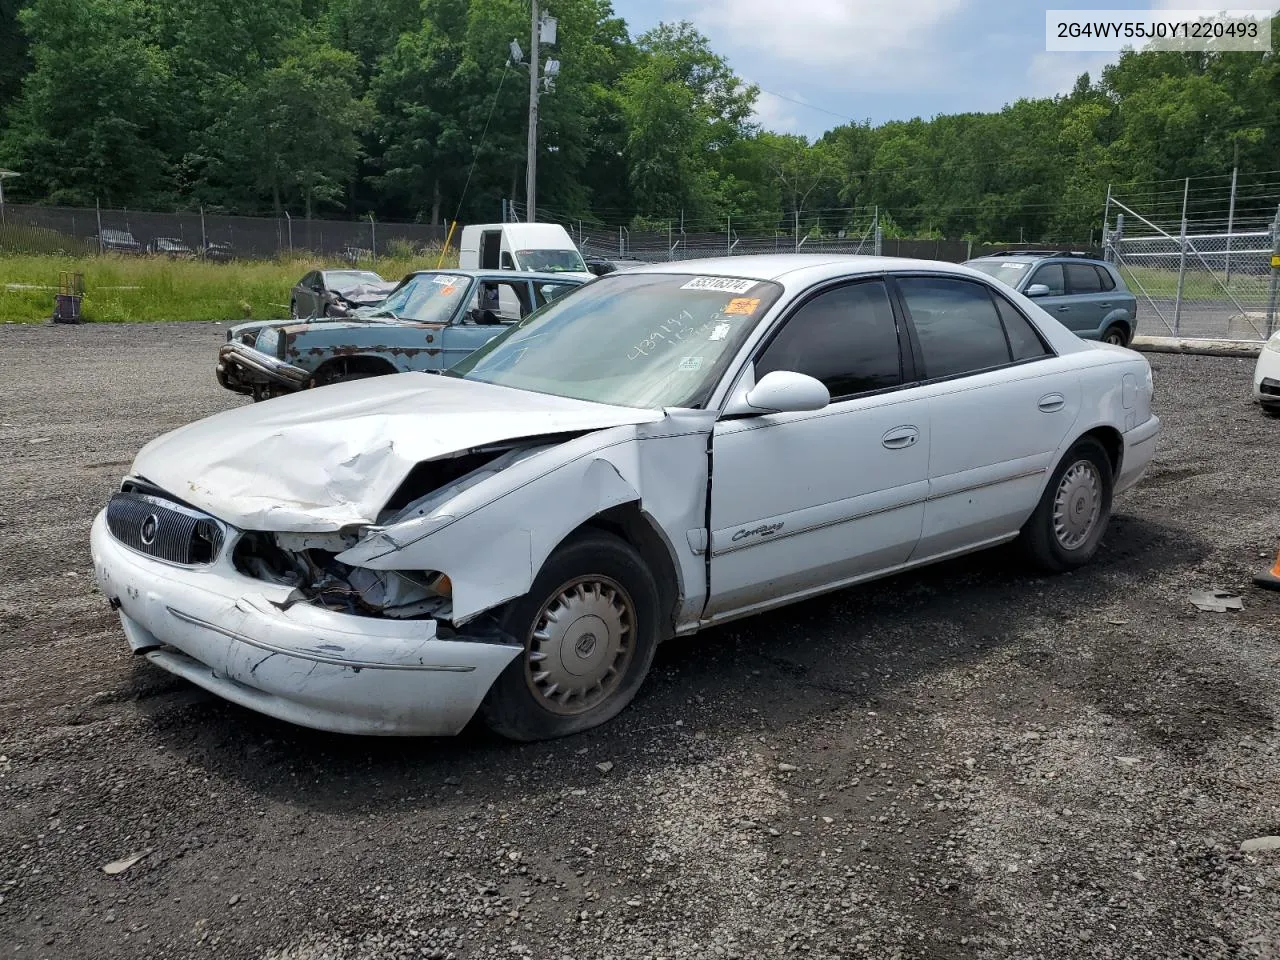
x=969, y=761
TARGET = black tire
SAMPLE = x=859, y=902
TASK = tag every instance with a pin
x=512, y=708
x=1056, y=550
x=1117, y=333
x=327, y=379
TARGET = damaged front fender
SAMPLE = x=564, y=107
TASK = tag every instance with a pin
x=492, y=538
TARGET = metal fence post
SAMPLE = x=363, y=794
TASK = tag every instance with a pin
x=204, y=240
x=97, y=206
x=289, y=221
x=373, y=239
x=1275, y=273
x=1231, y=216
x=728, y=234
x=1182, y=258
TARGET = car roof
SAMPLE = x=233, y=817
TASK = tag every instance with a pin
x=794, y=269
x=501, y=274
x=1031, y=256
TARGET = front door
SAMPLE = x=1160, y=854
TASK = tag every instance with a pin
x=805, y=501
x=494, y=305
x=1056, y=302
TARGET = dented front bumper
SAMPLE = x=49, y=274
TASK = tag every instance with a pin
x=304, y=664
x=241, y=366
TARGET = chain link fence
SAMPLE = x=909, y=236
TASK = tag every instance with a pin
x=31, y=229
x=1202, y=275
x=862, y=236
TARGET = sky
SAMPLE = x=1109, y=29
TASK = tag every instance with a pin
x=821, y=63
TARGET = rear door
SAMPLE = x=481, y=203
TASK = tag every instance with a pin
x=1090, y=302
x=1000, y=405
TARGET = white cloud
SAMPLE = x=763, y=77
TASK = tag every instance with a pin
x=780, y=116
x=847, y=42
x=1049, y=74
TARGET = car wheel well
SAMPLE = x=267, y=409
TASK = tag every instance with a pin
x=628, y=522
x=336, y=367
x=1112, y=442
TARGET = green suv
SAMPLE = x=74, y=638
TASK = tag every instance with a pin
x=1084, y=294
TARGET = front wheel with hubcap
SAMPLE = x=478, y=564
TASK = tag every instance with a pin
x=1071, y=518
x=589, y=627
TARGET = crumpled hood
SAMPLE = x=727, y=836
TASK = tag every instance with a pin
x=320, y=460
x=364, y=292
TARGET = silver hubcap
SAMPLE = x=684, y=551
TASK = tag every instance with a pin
x=1077, y=505
x=1115, y=337
x=580, y=645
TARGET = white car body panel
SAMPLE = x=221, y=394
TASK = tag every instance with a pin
x=255, y=466
x=800, y=504
x=1267, y=368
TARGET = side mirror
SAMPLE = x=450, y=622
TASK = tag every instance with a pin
x=1038, y=290
x=507, y=262
x=784, y=391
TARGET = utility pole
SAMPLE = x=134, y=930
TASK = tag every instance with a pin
x=531, y=165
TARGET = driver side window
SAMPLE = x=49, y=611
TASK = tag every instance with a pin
x=846, y=337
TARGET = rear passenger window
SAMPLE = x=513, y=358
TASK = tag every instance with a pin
x=1108, y=281
x=957, y=325
x=1051, y=276
x=845, y=337
x=1083, y=278
x=1023, y=339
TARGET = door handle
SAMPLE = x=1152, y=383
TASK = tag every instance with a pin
x=900, y=437
x=1104, y=305
x=1063, y=309
x=1052, y=403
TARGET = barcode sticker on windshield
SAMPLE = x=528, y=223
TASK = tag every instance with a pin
x=690, y=363
x=444, y=279
x=720, y=284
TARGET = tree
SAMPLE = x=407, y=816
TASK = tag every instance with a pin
x=293, y=133
x=91, y=119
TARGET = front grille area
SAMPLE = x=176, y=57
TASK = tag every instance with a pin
x=1269, y=387
x=163, y=529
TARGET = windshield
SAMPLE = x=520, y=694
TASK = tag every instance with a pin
x=647, y=340
x=551, y=261
x=425, y=297
x=1010, y=272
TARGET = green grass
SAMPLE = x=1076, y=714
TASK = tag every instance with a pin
x=1198, y=284
x=141, y=289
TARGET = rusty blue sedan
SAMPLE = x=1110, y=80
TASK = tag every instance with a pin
x=431, y=320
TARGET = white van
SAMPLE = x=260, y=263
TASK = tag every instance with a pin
x=544, y=247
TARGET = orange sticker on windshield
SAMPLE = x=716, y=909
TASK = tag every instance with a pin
x=741, y=306
x=450, y=289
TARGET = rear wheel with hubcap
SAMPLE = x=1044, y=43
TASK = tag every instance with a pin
x=589, y=626
x=1116, y=334
x=1072, y=516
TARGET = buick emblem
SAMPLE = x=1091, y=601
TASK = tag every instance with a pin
x=149, y=527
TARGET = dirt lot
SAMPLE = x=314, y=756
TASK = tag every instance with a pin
x=966, y=762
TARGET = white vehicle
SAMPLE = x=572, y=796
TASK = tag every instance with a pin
x=667, y=448
x=1266, y=376
x=540, y=247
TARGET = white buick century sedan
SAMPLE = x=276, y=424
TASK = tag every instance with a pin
x=662, y=450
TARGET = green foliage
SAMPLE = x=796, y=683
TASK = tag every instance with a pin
x=381, y=106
